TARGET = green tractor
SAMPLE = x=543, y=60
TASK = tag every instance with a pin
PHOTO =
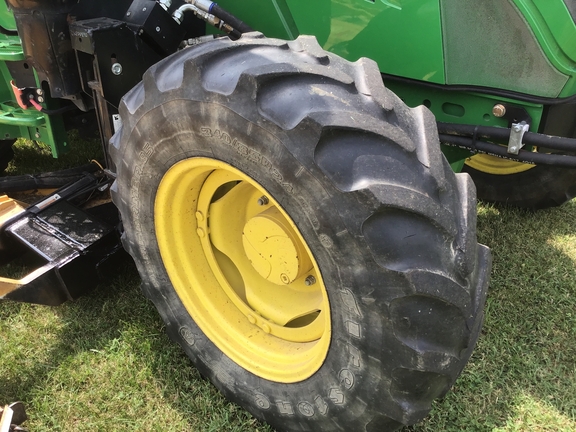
x=296, y=182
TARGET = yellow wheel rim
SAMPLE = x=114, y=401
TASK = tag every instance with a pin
x=494, y=165
x=242, y=270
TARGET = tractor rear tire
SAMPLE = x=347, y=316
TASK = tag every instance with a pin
x=536, y=188
x=300, y=233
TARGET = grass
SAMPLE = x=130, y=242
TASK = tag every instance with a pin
x=104, y=363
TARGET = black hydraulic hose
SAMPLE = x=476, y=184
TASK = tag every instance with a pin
x=49, y=180
x=503, y=134
x=478, y=146
x=230, y=19
x=58, y=111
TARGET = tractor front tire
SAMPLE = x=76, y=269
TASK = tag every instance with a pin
x=300, y=233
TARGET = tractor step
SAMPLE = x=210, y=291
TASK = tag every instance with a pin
x=63, y=245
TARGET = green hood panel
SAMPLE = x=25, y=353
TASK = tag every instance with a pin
x=528, y=46
x=394, y=33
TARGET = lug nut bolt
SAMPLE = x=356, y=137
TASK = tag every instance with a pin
x=310, y=280
x=499, y=110
x=263, y=200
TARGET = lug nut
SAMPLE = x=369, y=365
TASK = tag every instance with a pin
x=263, y=200
x=310, y=280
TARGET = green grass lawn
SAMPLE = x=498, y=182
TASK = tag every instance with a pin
x=104, y=363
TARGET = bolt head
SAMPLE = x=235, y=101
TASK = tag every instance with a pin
x=310, y=280
x=513, y=148
x=499, y=110
x=116, y=68
x=37, y=135
x=40, y=99
x=263, y=200
x=158, y=29
x=517, y=128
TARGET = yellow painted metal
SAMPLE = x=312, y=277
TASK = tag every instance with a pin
x=9, y=208
x=6, y=415
x=494, y=165
x=242, y=269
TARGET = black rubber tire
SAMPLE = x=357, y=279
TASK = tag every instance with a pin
x=537, y=188
x=362, y=175
x=6, y=153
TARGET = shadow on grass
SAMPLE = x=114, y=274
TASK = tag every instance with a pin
x=521, y=376
x=31, y=157
x=101, y=346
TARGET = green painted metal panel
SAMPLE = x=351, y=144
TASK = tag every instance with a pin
x=10, y=48
x=403, y=36
x=6, y=17
x=520, y=45
x=555, y=30
x=462, y=108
